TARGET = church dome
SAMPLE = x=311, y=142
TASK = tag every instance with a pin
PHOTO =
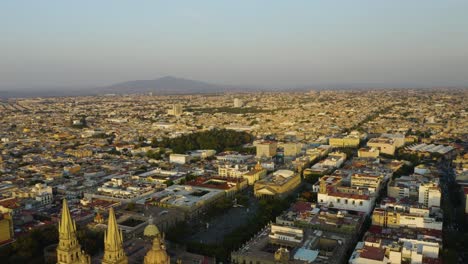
x=157, y=254
x=151, y=230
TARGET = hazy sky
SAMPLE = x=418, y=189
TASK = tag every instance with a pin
x=98, y=42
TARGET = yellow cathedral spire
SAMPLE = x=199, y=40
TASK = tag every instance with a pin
x=113, y=242
x=69, y=250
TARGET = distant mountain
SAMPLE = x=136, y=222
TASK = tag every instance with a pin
x=168, y=85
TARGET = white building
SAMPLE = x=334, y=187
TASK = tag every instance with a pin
x=286, y=234
x=345, y=201
x=179, y=158
x=42, y=193
x=232, y=171
x=400, y=251
x=238, y=102
x=233, y=157
x=429, y=194
x=202, y=153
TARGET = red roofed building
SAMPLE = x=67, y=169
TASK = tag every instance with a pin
x=300, y=207
x=10, y=205
x=229, y=185
x=373, y=253
x=365, y=254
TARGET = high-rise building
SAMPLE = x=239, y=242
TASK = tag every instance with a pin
x=176, y=110
x=266, y=149
x=429, y=194
x=238, y=102
x=292, y=149
x=68, y=249
x=113, y=242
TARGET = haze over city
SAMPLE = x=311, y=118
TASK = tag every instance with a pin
x=286, y=44
x=234, y=132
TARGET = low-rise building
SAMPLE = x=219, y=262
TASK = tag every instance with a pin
x=286, y=235
x=348, y=141
x=192, y=200
x=368, y=152
x=229, y=185
x=353, y=200
x=179, y=158
x=278, y=184
x=407, y=217
x=278, y=244
x=235, y=171
x=384, y=145
x=255, y=174
x=373, y=182
x=39, y=192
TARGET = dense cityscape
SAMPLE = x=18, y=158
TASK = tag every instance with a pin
x=322, y=176
x=234, y=132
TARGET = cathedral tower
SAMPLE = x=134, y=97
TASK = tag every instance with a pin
x=113, y=245
x=69, y=250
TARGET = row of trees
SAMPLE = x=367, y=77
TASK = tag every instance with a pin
x=217, y=139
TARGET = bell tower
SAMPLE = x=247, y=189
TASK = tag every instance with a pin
x=113, y=243
x=69, y=250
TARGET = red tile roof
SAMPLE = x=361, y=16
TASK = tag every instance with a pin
x=301, y=206
x=11, y=203
x=374, y=253
x=427, y=260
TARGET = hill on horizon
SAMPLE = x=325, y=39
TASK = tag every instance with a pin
x=168, y=85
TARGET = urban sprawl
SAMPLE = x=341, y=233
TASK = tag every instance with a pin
x=354, y=177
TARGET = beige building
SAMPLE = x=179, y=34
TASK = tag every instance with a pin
x=257, y=173
x=394, y=218
x=176, y=110
x=278, y=184
x=292, y=149
x=232, y=171
x=352, y=140
x=384, y=145
x=344, y=142
x=266, y=149
x=367, y=152
x=371, y=182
